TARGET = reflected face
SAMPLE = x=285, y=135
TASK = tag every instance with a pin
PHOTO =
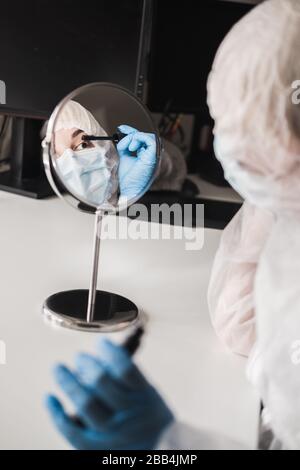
x=70, y=139
x=98, y=161
x=87, y=168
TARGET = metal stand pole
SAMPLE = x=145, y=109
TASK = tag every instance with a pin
x=94, y=277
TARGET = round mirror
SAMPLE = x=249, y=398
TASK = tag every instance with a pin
x=101, y=154
x=102, y=150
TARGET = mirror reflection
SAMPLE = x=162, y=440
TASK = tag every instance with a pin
x=88, y=168
x=101, y=161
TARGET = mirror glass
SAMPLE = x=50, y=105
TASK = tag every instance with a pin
x=104, y=147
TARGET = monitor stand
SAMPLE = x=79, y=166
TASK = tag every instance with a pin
x=26, y=176
x=37, y=188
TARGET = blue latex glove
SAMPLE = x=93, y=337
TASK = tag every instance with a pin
x=116, y=408
x=136, y=173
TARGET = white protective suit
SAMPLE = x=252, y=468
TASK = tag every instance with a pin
x=231, y=289
x=256, y=301
x=251, y=97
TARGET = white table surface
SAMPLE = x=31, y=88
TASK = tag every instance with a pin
x=46, y=247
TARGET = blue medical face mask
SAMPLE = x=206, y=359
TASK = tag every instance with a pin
x=230, y=166
x=251, y=186
x=86, y=174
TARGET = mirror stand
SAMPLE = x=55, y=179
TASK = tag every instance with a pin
x=85, y=165
x=91, y=310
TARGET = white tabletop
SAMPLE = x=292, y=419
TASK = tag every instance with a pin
x=46, y=247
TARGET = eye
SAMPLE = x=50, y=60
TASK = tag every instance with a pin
x=84, y=146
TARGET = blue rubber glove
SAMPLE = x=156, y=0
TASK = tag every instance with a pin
x=136, y=173
x=116, y=408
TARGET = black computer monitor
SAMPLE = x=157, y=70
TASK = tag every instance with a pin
x=50, y=47
x=186, y=37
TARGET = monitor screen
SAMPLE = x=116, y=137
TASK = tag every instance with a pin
x=50, y=47
x=186, y=36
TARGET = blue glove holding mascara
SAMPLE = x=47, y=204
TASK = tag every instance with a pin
x=136, y=172
x=116, y=407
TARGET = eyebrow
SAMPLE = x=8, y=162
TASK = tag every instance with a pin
x=77, y=133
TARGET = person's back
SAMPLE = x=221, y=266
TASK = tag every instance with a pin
x=257, y=140
x=231, y=289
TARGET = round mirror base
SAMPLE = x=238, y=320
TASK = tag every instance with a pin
x=69, y=310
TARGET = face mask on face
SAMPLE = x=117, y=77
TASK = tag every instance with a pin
x=251, y=187
x=86, y=174
x=230, y=167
